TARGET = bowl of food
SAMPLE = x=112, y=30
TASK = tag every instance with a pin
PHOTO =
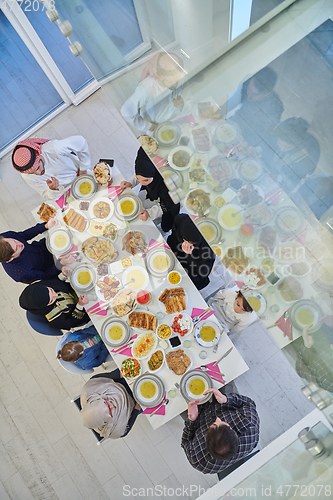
x=156, y=361
x=167, y=133
x=123, y=302
x=148, y=143
x=99, y=250
x=290, y=289
x=207, y=333
x=107, y=288
x=164, y=331
x=182, y=324
x=148, y=390
x=197, y=202
x=181, y=158
x=178, y=362
x=131, y=368
x=193, y=385
x=84, y=187
x=254, y=278
x=174, y=278
x=230, y=217
x=101, y=209
x=268, y=264
x=83, y=278
x=144, y=345
x=102, y=173
x=219, y=173
x=136, y=277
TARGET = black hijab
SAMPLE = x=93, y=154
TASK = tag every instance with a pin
x=156, y=189
x=34, y=298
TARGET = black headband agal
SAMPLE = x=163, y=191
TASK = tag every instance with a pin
x=31, y=161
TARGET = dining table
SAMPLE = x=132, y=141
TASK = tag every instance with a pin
x=231, y=366
x=299, y=253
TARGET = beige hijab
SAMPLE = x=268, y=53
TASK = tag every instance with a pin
x=95, y=414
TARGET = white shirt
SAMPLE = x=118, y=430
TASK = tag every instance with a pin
x=152, y=103
x=61, y=164
x=223, y=305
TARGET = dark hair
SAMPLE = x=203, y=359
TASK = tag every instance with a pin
x=222, y=442
x=265, y=80
x=246, y=305
x=71, y=351
x=6, y=250
x=293, y=130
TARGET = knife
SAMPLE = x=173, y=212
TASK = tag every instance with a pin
x=224, y=355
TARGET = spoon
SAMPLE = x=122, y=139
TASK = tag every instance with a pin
x=236, y=213
x=165, y=402
x=206, y=369
x=196, y=318
x=285, y=317
x=128, y=282
x=177, y=385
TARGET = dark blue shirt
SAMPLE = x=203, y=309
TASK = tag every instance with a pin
x=92, y=356
x=35, y=261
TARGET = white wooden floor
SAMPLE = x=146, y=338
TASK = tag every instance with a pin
x=45, y=452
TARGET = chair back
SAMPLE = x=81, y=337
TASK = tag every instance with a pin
x=70, y=367
x=99, y=438
x=41, y=325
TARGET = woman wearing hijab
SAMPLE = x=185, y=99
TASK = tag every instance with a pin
x=84, y=348
x=152, y=183
x=108, y=405
x=192, y=250
x=232, y=310
x=57, y=302
x=50, y=167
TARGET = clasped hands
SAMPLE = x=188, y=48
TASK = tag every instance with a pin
x=193, y=411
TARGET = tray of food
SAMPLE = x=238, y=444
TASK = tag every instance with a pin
x=178, y=362
x=84, y=187
x=167, y=133
x=75, y=220
x=107, y=288
x=127, y=206
x=101, y=209
x=254, y=278
x=156, y=361
x=135, y=242
x=160, y=261
x=148, y=143
x=181, y=158
x=193, y=385
x=131, y=368
x=99, y=250
x=235, y=260
x=59, y=240
x=200, y=139
x=197, y=202
x=83, y=278
x=102, y=173
x=144, y=345
x=197, y=172
x=219, y=173
x=123, y=302
x=115, y=332
x=209, y=229
x=46, y=212
x=207, y=110
x=142, y=320
x=259, y=215
x=172, y=300
x=148, y=390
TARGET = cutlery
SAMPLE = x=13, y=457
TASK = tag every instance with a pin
x=291, y=332
x=98, y=307
x=66, y=195
x=205, y=368
x=126, y=346
x=164, y=402
x=177, y=385
x=239, y=211
x=224, y=356
x=196, y=318
x=216, y=346
x=127, y=283
x=285, y=317
x=275, y=324
x=216, y=378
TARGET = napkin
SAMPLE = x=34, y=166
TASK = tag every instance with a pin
x=282, y=325
x=214, y=371
x=239, y=284
x=127, y=350
x=97, y=308
x=186, y=119
x=160, y=411
x=114, y=191
x=61, y=200
x=273, y=196
x=154, y=244
x=159, y=162
x=196, y=311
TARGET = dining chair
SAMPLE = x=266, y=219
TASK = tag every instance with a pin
x=221, y=475
x=70, y=367
x=40, y=325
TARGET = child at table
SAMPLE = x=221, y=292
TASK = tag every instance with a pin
x=232, y=310
x=84, y=348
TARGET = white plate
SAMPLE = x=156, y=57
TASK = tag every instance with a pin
x=136, y=376
x=163, y=254
x=250, y=169
x=163, y=127
x=230, y=209
x=99, y=293
x=187, y=316
x=261, y=298
x=288, y=220
x=159, y=386
x=185, y=382
x=75, y=276
x=95, y=202
x=251, y=285
x=193, y=144
x=263, y=215
x=189, y=151
x=132, y=272
x=190, y=210
x=77, y=183
x=137, y=206
x=199, y=161
x=154, y=345
x=158, y=369
x=84, y=215
x=123, y=336
x=257, y=189
x=311, y=315
x=59, y=240
x=247, y=251
x=214, y=228
x=162, y=306
x=145, y=237
x=226, y=133
x=114, y=321
x=187, y=354
x=199, y=339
